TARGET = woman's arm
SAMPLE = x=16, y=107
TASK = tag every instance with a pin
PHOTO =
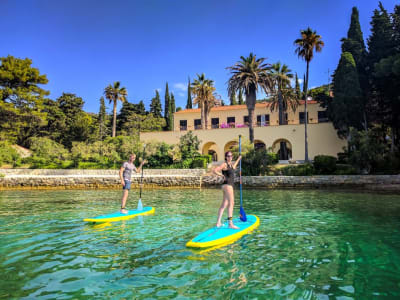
x=237, y=161
x=218, y=169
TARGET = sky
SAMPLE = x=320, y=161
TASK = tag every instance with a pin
x=84, y=45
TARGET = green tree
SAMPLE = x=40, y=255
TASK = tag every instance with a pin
x=21, y=99
x=189, y=96
x=140, y=108
x=306, y=45
x=189, y=145
x=204, y=91
x=167, y=106
x=249, y=74
x=56, y=121
x=241, y=101
x=297, y=88
x=114, y=93
x=155, y=106
x=233, y=99
x=171, y=112
x=347, y=103
x=102, y=120
x=354, y=44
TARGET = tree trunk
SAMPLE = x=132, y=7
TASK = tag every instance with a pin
x=206, y=113
x=280, y=107
x=251, y=103
x=114, y=118
x=202, y=115
x=306, y=117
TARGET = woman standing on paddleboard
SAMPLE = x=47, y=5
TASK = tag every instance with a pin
x=228, y=172
x=125, y=175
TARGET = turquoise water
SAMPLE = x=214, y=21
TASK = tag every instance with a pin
x=310, y=245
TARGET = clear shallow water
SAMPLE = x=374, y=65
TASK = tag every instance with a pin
x=310, y=245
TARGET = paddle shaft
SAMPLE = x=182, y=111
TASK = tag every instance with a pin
x=240, y=171
x=141, y=177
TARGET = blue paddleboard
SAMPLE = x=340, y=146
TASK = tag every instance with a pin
x=118, y=216
x=220, y=236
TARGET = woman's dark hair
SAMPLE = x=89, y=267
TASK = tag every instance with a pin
x=226, y=153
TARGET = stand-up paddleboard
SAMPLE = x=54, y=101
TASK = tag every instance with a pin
x=118, y=216
x=220, y=236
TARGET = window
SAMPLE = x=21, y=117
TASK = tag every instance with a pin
x=231, y=121
x=322, y=117
x=197, y=124
x=246, y=120
x=183, y=124
x=262, y=120
x=215, y=123
x=301, y=117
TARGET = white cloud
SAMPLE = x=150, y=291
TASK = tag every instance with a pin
x=181, y=94
x=181, y=86
x=293, y=81
x=159, y=90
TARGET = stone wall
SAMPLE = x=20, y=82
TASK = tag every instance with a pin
x=86, y=179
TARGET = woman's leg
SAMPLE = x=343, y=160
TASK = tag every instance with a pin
x=224, y=204
x=231, y=203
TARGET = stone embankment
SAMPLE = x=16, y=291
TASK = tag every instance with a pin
x=96, y=179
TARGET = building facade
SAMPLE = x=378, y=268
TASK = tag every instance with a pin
x=226, y=123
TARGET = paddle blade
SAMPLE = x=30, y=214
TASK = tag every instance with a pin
x=140, y=205
x=242, y=214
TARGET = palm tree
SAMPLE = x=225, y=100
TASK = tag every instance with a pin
x=309, y=41
x=248, y=75
x=204, y=92
x=282, y=75
x=114, y=93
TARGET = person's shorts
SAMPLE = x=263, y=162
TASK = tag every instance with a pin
x=127, y=185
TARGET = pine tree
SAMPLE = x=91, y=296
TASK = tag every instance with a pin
x=233, y=99
x=140, y=109
x=167, y=106
x=297, y=88
x=155, y=106
x=189, y=96
x=241, y=101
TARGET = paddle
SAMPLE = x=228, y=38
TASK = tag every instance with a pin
x=242, y=213
x=140, y=205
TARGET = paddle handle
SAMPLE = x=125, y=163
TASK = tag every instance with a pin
x=240, y=171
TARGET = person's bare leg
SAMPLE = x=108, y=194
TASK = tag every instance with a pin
x=123, y=201
x=231, y=203
x=224, y=204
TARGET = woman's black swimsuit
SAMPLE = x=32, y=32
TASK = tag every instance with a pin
x=229, y=175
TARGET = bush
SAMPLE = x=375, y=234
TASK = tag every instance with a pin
x=257, y=162
x=47, y=148
x=2, y=175
x=199, y=162
x=91, y=165
x=8, y=155
x=325, y=164
x=300, y=170
x=344, y=169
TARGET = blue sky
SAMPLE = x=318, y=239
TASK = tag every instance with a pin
x=82, y=46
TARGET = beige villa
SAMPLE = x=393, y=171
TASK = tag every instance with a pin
x=226, y=123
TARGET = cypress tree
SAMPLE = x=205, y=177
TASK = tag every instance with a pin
x=155, y=106
x=167, y=105
x=102, y=120
x=140, y=108
x=347, y=104
x=241, y=101
x=189, y=96
x=171, y=112
x=297, y=88
x=233, y=99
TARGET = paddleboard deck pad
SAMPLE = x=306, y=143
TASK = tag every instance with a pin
x=220, y=236
x=118, y=216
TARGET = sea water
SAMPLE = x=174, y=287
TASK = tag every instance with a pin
x=311, y=244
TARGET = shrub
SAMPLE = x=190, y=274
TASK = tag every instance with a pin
x=257, y=162
x=300, y=170
x=344, y=169
x=325, y=164
x=8, y=155
x=2, y=175
x=47, y=148
x=199, y=162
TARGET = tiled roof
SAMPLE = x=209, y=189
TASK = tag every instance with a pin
x=236, y=107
